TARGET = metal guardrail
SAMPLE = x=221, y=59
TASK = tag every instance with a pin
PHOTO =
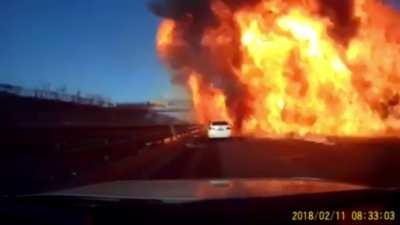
x=176, y=133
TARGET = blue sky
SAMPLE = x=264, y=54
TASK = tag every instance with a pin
x=96, y=46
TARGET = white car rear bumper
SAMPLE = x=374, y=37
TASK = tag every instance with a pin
x=219, y=133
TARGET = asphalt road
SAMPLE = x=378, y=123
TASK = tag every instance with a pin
x=374, y=162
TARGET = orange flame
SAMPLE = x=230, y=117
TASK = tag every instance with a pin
x=165, y=35
x=299, y=78
x=209, y=103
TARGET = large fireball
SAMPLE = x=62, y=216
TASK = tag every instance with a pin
x=289, y=67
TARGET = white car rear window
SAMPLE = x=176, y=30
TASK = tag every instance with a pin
x=219, y=123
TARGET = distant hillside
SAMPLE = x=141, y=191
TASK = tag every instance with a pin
x=29, y=111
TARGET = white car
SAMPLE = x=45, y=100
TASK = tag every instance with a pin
x=219, y=129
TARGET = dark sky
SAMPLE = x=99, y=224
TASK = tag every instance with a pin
x=97, y=46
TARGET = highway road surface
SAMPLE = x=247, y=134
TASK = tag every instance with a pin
x=373, y=162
